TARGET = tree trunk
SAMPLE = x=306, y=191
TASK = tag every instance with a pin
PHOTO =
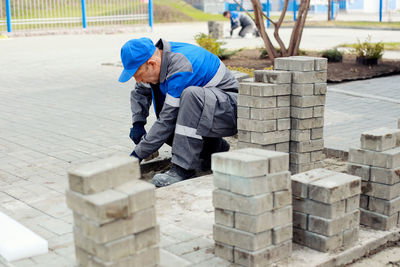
x=272, y=53
x=329, y=9
x=297, y=30
x=301, y=27
x=277, y=26
x=298, y=27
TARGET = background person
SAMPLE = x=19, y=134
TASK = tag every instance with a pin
x=240, y=20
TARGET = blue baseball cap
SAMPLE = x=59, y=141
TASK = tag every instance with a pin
x=134, y=54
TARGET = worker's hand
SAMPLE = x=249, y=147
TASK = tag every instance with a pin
x=137, y=131
x=133, y=154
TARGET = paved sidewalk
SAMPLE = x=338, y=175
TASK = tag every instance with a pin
x=354, y=107
x=60, y=106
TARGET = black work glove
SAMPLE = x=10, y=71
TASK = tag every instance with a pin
x=133, y=154
x=137, y=131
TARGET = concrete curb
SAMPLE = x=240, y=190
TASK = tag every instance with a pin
x=348, y=27
x=79, y=31
x=356, y=28
x=357, y=252
x=139, y=28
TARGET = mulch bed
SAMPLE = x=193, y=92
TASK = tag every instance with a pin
x=347, y=70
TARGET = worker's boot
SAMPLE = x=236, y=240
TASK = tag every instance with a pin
x=211, y=146
x=173, y=175
x=256, y=33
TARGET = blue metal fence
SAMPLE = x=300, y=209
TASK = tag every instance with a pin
x=16, y=15
x=342, y=4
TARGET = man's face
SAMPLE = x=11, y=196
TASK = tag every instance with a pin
x=149, y=72
x=228, y=15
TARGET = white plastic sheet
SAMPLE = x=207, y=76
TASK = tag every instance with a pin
x=17, y=241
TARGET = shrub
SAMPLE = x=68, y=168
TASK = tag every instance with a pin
x=333, y=55
x=302, y=53
x=208, y=43
x=227, y=54
x=214, y=46
x=369, y=50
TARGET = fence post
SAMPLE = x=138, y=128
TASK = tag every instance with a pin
x=8, y=14
x=294, y=10
x=380, y=10
x=332, y=7
x=83, y=4
x=151, y=18
x=268, y=8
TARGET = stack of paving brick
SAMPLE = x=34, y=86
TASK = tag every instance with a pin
x=253, y=211
x=307, y=104
x=114, y=214
x=216, y=29
x=378, y=165
x=264, y=112
x=325, y=209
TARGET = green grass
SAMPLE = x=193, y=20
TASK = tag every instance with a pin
x=199, y=15
x=74, y=10
x=189, y=10
x=388, y=46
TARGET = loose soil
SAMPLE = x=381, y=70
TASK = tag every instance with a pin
x=347, y=70
x=151, y=168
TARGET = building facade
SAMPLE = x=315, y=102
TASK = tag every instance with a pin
x=208, y=6
x=371, y=6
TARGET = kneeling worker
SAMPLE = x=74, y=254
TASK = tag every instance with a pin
x=240, y=20
x=195, y=101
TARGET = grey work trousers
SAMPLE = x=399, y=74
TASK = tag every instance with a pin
x=203, y=112
x=245, y=30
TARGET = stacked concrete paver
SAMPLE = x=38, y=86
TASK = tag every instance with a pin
x=283, y=110
x=114, y=214
x=325, y=209
x=307, y=104
x=216, y=29
x=253, y=211
x=264, y=112
x=377, y=162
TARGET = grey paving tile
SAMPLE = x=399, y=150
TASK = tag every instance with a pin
x=348, y=116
